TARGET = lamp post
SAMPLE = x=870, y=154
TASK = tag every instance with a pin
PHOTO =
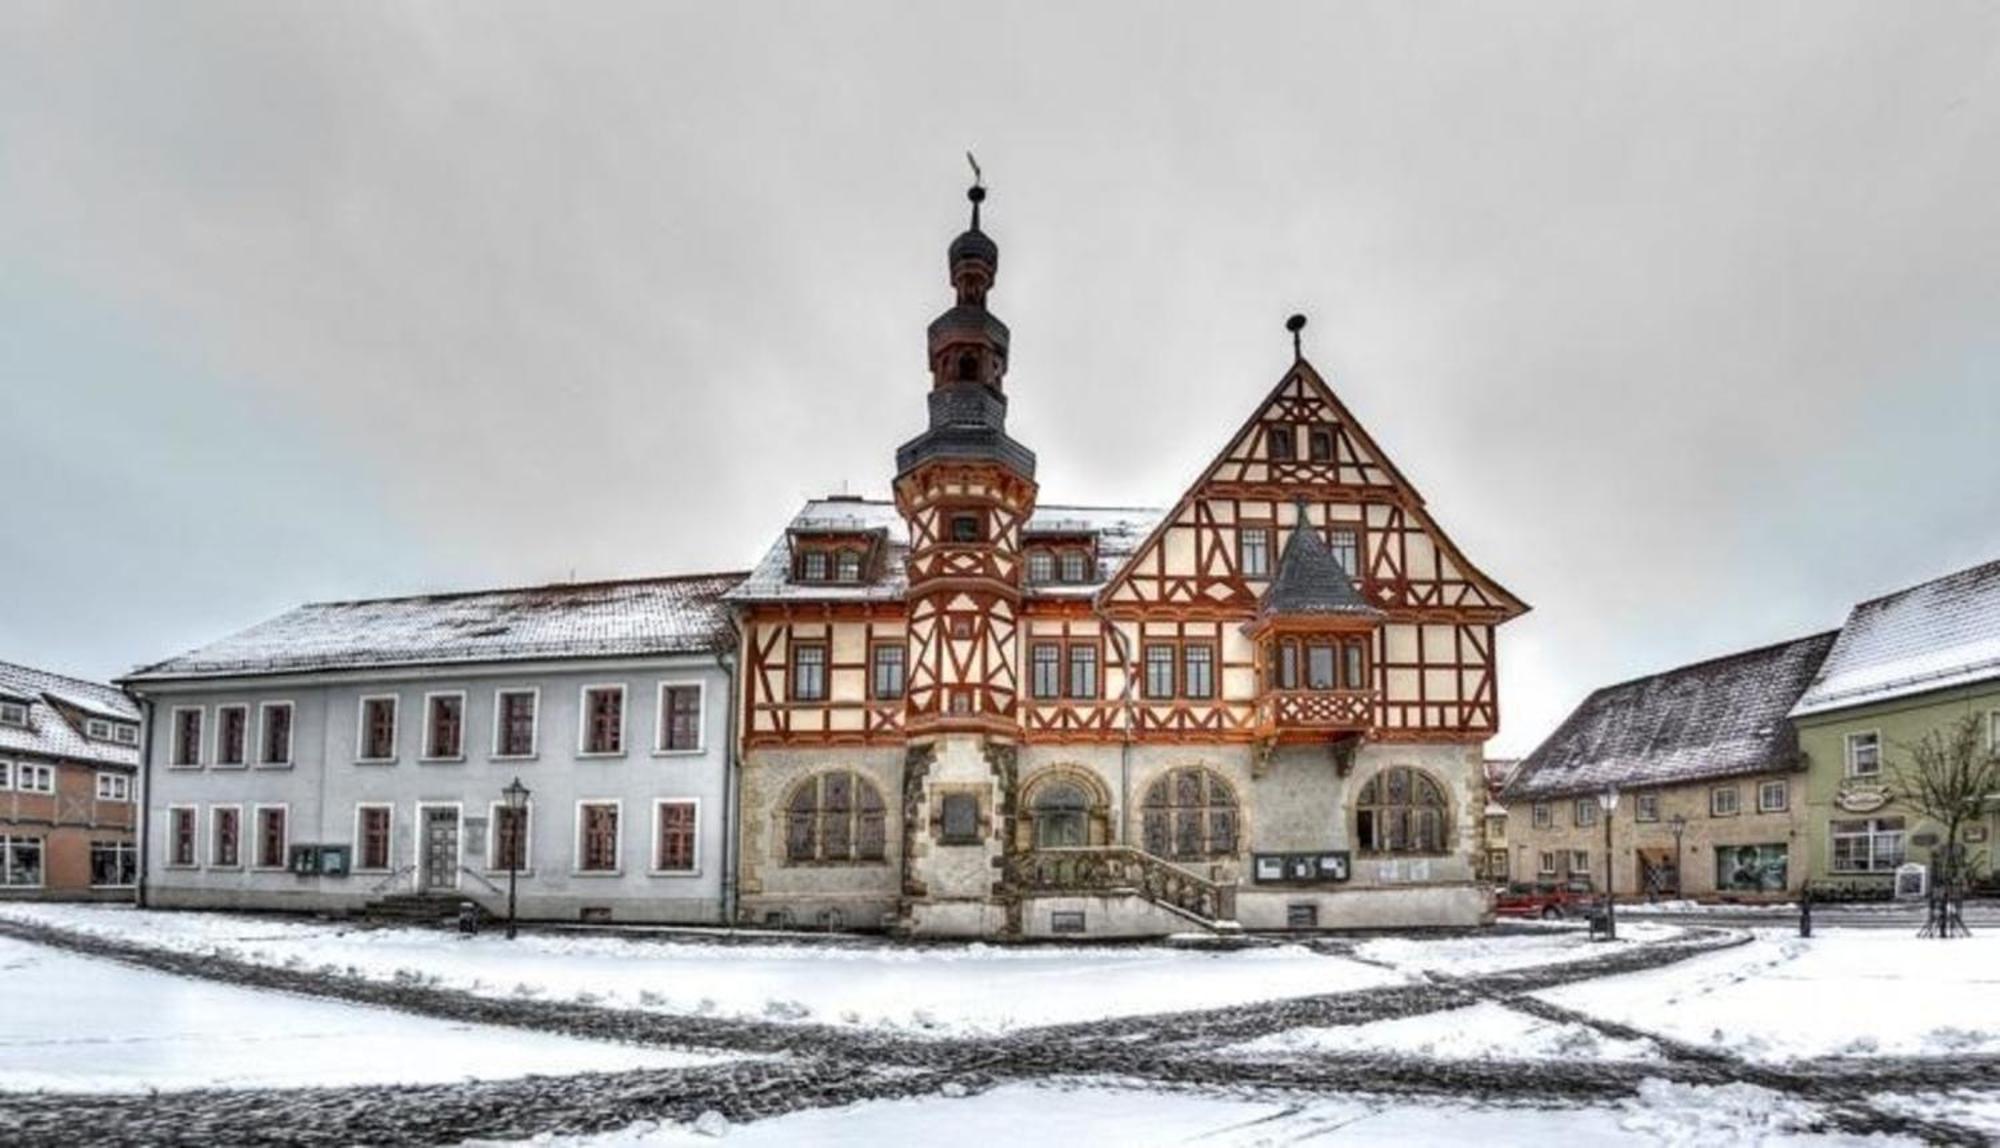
x=1608, y=802
x=516, y=795
x=1679, y=825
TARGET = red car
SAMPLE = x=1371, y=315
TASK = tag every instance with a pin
x=1547, y=899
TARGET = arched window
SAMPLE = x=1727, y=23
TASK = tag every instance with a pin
x=1190, y=813
x=1062, y=816
x=968, y=367
x=833, y=817
x=1400, y=810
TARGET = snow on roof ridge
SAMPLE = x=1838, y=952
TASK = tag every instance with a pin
x=593, y=584
x=50, y=681
x=1990, y=566
x=1710, y=661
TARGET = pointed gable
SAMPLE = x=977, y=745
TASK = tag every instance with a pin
x=1301, y=442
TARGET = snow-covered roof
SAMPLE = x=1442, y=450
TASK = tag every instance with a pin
x=1941, y=634
x=53, y=732
x=569, y=620
x=1118, y=530
x=1720, y=718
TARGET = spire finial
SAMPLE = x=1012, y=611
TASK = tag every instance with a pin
x=1296, y=324
x=977, y=192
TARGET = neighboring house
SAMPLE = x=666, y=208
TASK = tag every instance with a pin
x=1905, y=664
x=1710, y=779
x=69, y=758
x=973, y=712
x=349, y=750
x=1496, y=862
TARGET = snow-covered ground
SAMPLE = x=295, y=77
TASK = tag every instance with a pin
x=75, y=1024
x=1473, y=956
x=1842, y=992
x=1485, y=1031
x=1662, y=1113
x=943, y=990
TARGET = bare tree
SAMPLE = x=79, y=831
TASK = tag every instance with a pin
x=1951, y=777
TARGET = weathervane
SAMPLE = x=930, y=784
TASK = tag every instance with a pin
x=1295, y=324
x=978, y=191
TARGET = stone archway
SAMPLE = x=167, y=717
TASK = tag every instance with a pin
x=1064, y=807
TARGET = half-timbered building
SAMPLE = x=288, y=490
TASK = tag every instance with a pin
x=968, y=710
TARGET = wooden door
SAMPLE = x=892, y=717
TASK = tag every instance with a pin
x=440, y=856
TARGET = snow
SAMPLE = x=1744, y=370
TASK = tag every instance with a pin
x=1942, y=633
x=1842, y=992
x=1979, y=1111
x=75, y=1024
x=932, y=990
x=1662, y=1113
x=1485, y=1031
x=1474, y=956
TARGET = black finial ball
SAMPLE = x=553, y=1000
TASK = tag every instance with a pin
x=976, y=194
x=1295, y=324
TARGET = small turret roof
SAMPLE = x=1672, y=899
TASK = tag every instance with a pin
x=1311, y=581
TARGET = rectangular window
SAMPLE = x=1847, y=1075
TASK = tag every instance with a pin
x=114, y=787
x=1320, y=672
x=271, y=837
x=32, y=778
x=1082, y=671
x=232, y=735
x=1750, y=868
x=274, y=741
x=1041, y=567
x=1867, y=845
x=1045, y=662
x=225, y=836
x=371, y=830
x=514, y=722
x=444, y=726
x=1773, y=796
x=1579, y=862
x=21, y=862
x=1198, y=671
x=13, y=713
x=113, y=864
x=1585, y=812
x=1356, y=670
x=809, y=672
x=1544, y=815
x=97, y=729
x=597, y=837
x=603, y=720
x=125, y=734
x=1548, y=865
x=6, y=775
x=1646, y=807
x=509, y=849
x=187, y=738
x=1319, y=444
x=813, y=566
x=1283, y=445
x=1253, y=549
x=960, y=819
x=968, y=526
x=1724, y=801
x=183, y=835
x=847, y=566
x=1864, y=754
x=378, y=728
x=885, y=677
x=1075, y=566
x=1345, y=542
x=1159, y=670
x=674, y=847
x=1288, y=664
x=680, y=718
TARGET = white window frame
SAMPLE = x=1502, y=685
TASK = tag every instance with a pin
x=653, y=842
x=701, y=720
x=1584, y=814
x=119, y=781
x=212, y=840
x=493, y=810
x=1586, y=868
x=291, y=732
x=97, y=729
x=1784, y=790
x=121, y=846
x=583, y=722
x=6, y=852
x=428, y=752
x=257, y=836
x=1852, y=769
x=169, y=838
x=1873, y=834
x=14, y=714
x=1546, y=864
x=23, y=770
x=534, y=723
x=361, y=728
x=6, y=776
x=125, y=733
x=201, y=736
x=389, y=835
x=215, y=737
x=618, y=846
x=1645, y=807
x=1735, y=800
x=1542, y=815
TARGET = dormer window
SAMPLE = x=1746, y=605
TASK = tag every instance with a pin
x=97, y=729
x=1075, y=566
x=125, y=734
x=847, y=566
x=13, y=713
x=1041, y=566
x=968, y=526
x=812, y=566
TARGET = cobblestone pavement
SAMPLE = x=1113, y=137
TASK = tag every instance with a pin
x=806, y=1066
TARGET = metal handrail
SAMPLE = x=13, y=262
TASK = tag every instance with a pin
x=392, y=878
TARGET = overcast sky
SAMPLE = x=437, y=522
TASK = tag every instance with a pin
x=1685, y=322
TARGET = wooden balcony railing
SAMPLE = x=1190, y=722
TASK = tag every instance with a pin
x=1115, y=869
x=1315, y=711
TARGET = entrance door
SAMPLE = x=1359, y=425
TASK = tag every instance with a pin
x=1657, y=877
x=440, y=856
x=1060, y=815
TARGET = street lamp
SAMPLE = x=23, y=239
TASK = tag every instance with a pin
x=517, y=807
x=1679, y=825
x=1608, y=802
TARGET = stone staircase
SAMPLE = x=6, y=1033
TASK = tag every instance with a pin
x=1124, y=870
x=421, y=908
